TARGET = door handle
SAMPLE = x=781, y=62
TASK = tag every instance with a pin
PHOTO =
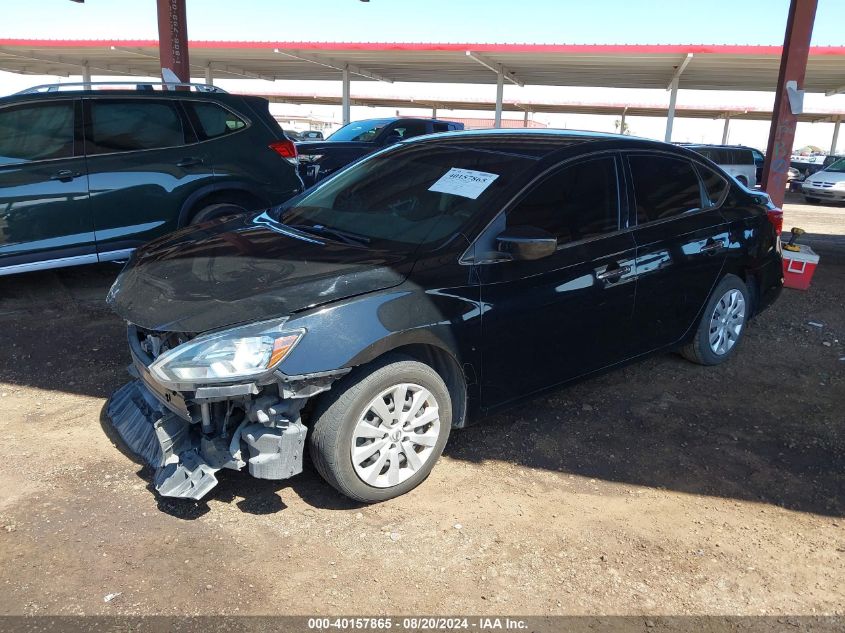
x=614, y=273
x=190, y=162
x=65, y=175
x=713, y=247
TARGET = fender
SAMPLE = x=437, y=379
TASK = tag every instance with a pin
x=238, y=186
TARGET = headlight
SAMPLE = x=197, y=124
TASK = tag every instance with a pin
x=242, y=352
x=839, y=185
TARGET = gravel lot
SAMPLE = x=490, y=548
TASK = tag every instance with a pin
x=661, y=488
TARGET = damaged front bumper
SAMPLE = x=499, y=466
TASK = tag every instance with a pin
x=187, y=436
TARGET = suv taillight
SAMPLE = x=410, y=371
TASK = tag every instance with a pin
x=286, y=149
x=775, y=216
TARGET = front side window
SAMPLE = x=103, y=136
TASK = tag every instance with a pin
x=214, y=120
x=664, y=187
x=408, y=129
x=39, y=131
x=578, y=202
x=420, y=194
x=129, y=125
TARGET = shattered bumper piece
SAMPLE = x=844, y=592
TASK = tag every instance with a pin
x=186, y=460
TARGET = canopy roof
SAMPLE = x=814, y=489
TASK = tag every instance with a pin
x=557, y=107
x=701, y=66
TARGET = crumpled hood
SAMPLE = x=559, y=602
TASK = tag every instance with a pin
x=244, y=269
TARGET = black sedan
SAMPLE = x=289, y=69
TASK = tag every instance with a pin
x=431, y=283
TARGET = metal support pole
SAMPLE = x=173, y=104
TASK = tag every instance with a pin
x=525, y=119
x=345, y=99
x=86, y=73
x=173, y=38
x=209, y=76
x=500, y=89
x=622, y=121
x=670, y=117
x=793, y=66
x=726, y=129
x=835, y=139
x=434, y=113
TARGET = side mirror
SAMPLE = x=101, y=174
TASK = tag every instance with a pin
x=526, y=242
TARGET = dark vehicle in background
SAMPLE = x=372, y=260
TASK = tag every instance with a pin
x=359, y=138
x=311, y=135
x=293, y=135
x=431, y=282
x=90, y=172
x=808, y=168
x=740, y=162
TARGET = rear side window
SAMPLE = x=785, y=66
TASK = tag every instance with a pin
x=133, y=124
x=36, y=132
x=214, y=120
x=441, y=127
x=664, y=187
x=715, y=187
x=575, y=203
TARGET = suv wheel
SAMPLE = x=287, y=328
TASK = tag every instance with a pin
x=217, y=210
x=722, y=324
x=378, y=433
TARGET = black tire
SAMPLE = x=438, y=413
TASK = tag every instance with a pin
x=338, y=411
x=698, y=350
x=811, y=200
x=217, y=210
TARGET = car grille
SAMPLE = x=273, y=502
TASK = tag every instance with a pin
x=822, y=184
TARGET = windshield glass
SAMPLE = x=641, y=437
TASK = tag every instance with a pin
x=419, y=194
x=360, y=130
x=838, y=166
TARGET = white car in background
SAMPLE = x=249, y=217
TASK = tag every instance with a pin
x=737, y=161
x=827, y=184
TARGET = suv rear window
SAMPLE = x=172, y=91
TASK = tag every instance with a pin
x=36, y=132
x=213, y=120
x=133, y=124
x=664, y=187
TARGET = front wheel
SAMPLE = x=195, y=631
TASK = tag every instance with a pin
x=722, y=324
x=378, y=433
x=811, y=200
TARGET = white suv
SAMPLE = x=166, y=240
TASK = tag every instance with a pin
x=737, y=161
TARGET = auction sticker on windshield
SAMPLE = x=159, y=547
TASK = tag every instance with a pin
x=463, y=182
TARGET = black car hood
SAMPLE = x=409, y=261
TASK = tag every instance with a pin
x=241, y=270
x=308, y=148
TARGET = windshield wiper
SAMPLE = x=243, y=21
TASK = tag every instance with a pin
x=343, y=236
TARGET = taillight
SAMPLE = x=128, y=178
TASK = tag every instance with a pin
x=286, y=149
x=775, y=216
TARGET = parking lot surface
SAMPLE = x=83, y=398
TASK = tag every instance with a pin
x=659, y=488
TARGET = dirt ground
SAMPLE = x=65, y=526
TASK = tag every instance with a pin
x=661, y=488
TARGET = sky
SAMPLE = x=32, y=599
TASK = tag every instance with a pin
x=527, y=21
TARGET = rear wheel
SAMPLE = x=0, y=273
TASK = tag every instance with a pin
x=217, y=210
x=378, y=433
x=722, y=324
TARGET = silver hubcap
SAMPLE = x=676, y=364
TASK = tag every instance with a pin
x=727, y=321
x=395, y=436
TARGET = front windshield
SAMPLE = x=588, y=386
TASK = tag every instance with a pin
x=838, y=166
x=419, y=194
x=359, y=130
